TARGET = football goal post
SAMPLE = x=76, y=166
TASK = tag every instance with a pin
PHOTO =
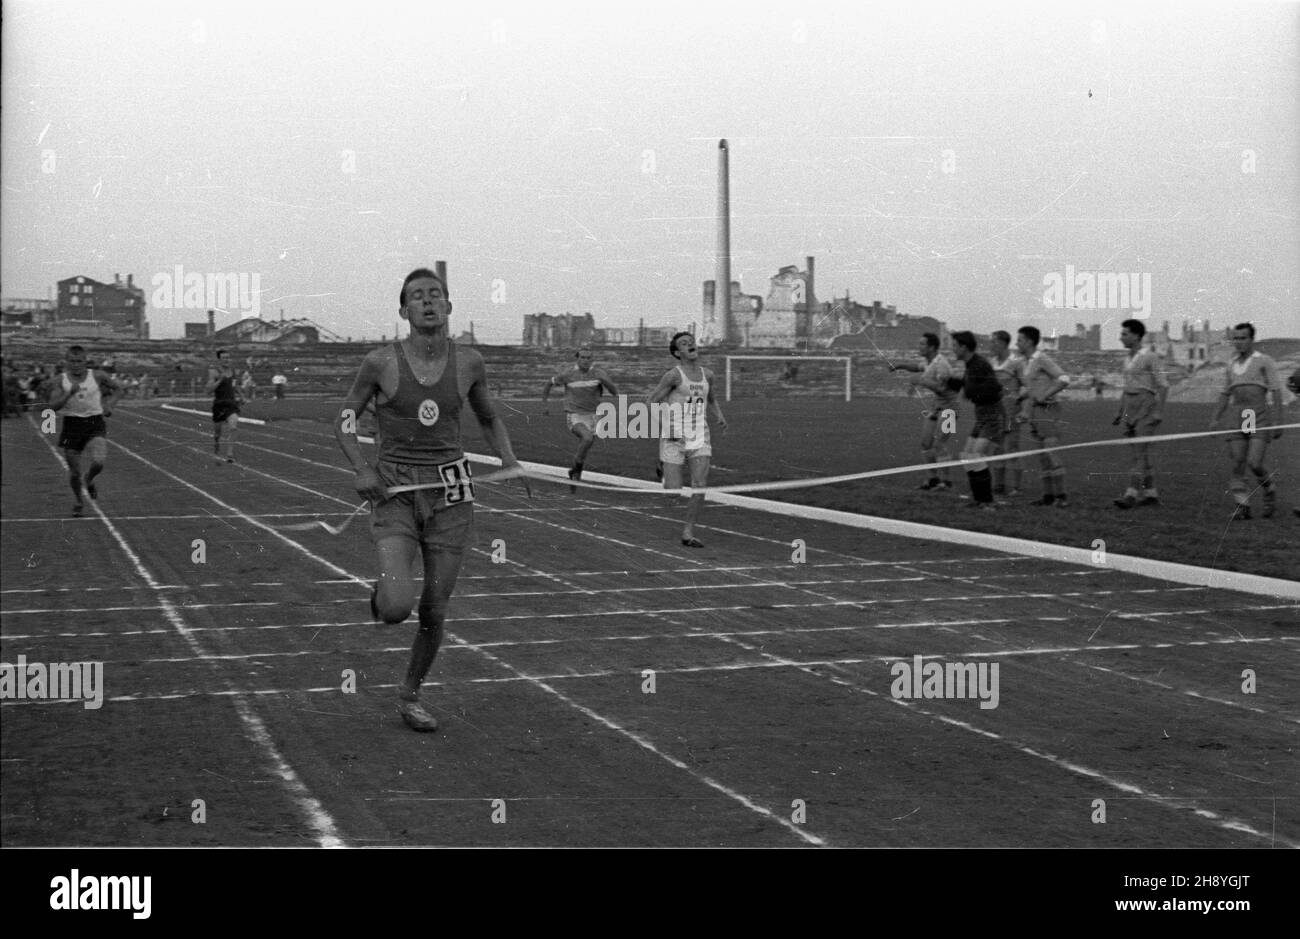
x=770, y=375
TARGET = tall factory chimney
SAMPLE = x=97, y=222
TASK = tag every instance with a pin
x=722, y=289
x=440, y=268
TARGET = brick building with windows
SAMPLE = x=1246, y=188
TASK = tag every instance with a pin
x=120, y=306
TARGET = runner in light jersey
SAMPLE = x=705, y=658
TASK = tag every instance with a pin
x=687, y=390
x=940, y=427
x=1141, y=409
x=583, y=386
x=1250, y=377
x=85, y=396
x=1009, y=368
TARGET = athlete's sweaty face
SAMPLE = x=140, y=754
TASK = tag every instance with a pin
x=584, y=361
x=1024, y=345
x=1129, y=340
x=76, y=364
x=999, y=348
x=686, y=349
x=427, y=306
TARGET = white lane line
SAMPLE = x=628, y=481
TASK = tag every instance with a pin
x=636, y=738
x=242, y=419
x=1223, y=822
x=166, y=518
x=45, y=611
x=327, y=835
x=496, y=576
x=624, y=614
x=725, y=635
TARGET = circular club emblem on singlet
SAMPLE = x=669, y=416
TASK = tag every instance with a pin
x=428, y=413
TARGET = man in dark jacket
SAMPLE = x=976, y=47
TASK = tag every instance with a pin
x=982, y=389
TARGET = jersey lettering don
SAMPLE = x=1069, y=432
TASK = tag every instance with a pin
x=689, y=399
x=88, y=401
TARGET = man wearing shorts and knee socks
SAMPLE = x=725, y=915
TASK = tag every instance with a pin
x=936, y=437
x=1009, y=368
x=1041, y=410
x=984, y=391
x=1251, y=378
x=1141, y=409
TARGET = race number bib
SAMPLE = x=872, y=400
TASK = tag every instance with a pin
x=458, y=481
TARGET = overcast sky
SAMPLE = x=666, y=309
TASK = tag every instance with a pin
x=942, y=158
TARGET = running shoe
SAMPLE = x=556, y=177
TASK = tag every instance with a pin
x=1241, y=513
x=693, y=542
x=416, y=717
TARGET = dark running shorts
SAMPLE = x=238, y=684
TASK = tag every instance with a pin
x=221, y=411
x=989, y=422
x=441, y=518
x=78, y=431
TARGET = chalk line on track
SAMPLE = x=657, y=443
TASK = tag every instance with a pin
x=317, y=818
x=611, y=613
x=1227, y=823
x=802, y=511
x=1146, y=567
x=588, y=712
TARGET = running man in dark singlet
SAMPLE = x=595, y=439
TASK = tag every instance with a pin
x=419, y=384
x=86, y=397
x=225, y=406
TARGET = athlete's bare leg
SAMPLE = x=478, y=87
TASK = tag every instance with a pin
x=699, y=466
x=441, y=569
x=73, y=458
x=586, y=439
x=396, y=593
x=97, y=452
x=225, y=429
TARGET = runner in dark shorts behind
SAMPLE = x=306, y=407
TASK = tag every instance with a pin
x=225, y=406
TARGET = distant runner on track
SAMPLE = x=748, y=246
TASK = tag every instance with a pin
x=583, y=386
x=225, y=406
x=86, y=397
x=419, y=384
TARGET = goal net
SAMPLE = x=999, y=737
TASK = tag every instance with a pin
x=788, y=376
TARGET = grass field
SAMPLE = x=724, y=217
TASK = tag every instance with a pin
x=793, y=438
